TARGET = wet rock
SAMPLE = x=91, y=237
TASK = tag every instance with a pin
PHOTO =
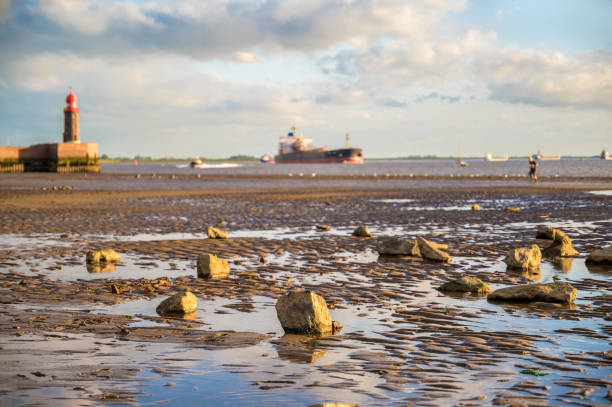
x=324, y=228
x=524, y=258
x=362, y=231
x=336, y=326
x=558, y=292
x=182, y=303
x=560, y=247
x=215, y=233
x=466, y=284
x=211, y=266
x=545, y=232
x=303, y=312
x=512, y=209
x=221, y=223
x=102, y=256
x=475, y=207
x=431, y=251
x=395, y=246
x=601, y=256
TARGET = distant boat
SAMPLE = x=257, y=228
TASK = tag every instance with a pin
x=294, y=149
x=540, y=157
x=462, y=163
x=605, y=155
x=489, y=157
x=196, y=163
x=266, y=159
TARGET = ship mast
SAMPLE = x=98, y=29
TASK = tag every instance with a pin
x=347, y=141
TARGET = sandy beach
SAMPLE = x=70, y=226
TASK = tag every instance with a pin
x=88, y=336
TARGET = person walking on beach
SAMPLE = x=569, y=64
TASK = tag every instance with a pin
x=533, y=167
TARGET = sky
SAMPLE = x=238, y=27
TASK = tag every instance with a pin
x=180, y=78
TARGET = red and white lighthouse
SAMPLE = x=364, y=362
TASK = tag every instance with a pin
x=71, y=119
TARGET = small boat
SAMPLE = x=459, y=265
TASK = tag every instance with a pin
x=540, y=157
x=605, y=155
x=489, y=157
x=462, y=163
x=196, y=163
x=266, y=159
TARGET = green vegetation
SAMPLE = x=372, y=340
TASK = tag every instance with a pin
x=534, y=372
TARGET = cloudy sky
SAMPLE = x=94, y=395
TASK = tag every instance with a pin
x=226, y=77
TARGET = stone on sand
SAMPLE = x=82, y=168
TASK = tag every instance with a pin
x=560, y=247
x=431, y=251
x=335, y=405
x=362, y=231
x=524, y=258
x=216, y=233
x=211, y=266
x=323, y=228
x=512, y=209
x=466, y=284
x=475, y=207
x=600, y=256
x=559, y=292
x=182, y=303
x=303, y=312
x=102, y=256
x=395, y=246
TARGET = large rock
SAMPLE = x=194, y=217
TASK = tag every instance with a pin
x=395, y=246
x=600, y=256
x=560, y=247
x=215, y=233
x=102, y=256
x=362, y=231
x=210, y=266
x=430, y=251
x=545, y=232
x=182, y=303
x=559, y=292
x=524, y=258
x=304, y=312
x=466, y=284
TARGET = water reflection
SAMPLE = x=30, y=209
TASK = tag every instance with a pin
x=563, y=263
x=534, y=275
x=101, y=268
x=298, y=348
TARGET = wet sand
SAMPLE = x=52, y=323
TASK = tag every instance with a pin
x=67, y=337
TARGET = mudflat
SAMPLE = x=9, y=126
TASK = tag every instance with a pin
x=91, y=334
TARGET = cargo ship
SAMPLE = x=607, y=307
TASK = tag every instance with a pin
x=294, y=149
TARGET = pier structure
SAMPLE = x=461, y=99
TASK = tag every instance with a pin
x=68, y=156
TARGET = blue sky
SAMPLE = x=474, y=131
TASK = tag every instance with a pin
x=225, y=77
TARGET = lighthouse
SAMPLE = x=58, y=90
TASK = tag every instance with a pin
x=71, y=119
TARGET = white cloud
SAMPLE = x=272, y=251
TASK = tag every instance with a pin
x=245, y=57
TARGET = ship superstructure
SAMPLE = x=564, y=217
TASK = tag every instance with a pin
x=294, y=148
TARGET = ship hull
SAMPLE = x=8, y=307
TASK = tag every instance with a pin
x=340, y=156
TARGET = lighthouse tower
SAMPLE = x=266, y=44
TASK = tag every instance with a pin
x=71, y=119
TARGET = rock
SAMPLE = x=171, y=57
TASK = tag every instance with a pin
x=524, y=258
x=362, y=231
x=303, y=312
x=559, y=292
x=102, y=256
x=600, y=256
x=214, y=233
x=560, y=247
x=545, y=232
x=210, y=266
x=336, y=326
x=512, y=209
x=466, y=284
x=431, y=251
x=395, y=246
x=323, y=228
x=475, y=207
x=221, y=222
x=182, y=303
